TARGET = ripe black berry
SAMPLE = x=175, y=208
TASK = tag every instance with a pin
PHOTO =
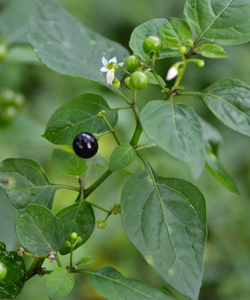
x=85, y=145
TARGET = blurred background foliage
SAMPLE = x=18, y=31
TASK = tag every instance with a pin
x=227, y=257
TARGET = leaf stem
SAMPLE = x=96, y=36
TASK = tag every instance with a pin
x=138, y=130
x=124, y=96
x=180, y=75
x=120, y=108
x=97, y=206
x=58, y=261
x=102, y=116
x=95, y=185
x=158, y=80
x=146, y=146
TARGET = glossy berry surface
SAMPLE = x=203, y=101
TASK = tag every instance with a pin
x=3, y=271
x=85, y=145
x=128, y=84
x=132, y=62
x=139, y=80
x=152, y=43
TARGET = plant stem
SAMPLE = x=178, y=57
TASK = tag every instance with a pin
x=35, y=267
x=138, y=130
x=97, y=206
x=111, y=128
x=124, y=70
x=58, y=261
x=95, y=185
x=124, y=96
x=158, y=80
x=180, y=75
x=146, y=146
x=119, y=108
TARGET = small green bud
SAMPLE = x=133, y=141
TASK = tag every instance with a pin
x=79, y=240
x=201, y=63
x=183, y=50
x=116, y=209
x=73, y=235
x=67, y=243
x=190, y=43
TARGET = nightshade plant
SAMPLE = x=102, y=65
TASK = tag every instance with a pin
x=165, y=218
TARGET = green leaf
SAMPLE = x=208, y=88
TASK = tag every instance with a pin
x=167, y=224
x=25, y=182
x=225, y=22
x=114, y=286
x=176, y=129
x=144, y=30
x=59, y=283
x=121, y=157
x=216, y=168
x=39, y=230
x=78, y=54
x=175, y=33
x=12, y=285
x=152, y=79
x=68, y=163
x=211, y=51
x=229, y=101
x=76, y=116
x=86, y=260
x=22, y=55
x=14, y=20
x=78, y=217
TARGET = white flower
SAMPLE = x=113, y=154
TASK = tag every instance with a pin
x=110, y=67
x=172, y=73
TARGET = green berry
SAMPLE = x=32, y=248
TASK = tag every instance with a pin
x=7, y=97
x=3, y=52
x=183, y=50
x=139, y=80
x=132, y=62
x=18, y=101
x=116, y=83
x=73, y=235
x=3, y=271
x=128, y=84
x=8, y=115
x=152, y=43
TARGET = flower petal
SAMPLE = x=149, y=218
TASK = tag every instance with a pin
x=104, y=61
x=172, y=73
x=113, y=60
x=104, y=69
x=110, y=76
x=121, y=64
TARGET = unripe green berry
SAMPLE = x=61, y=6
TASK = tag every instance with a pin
x=201, y=63
x=128, y=84
x=183, y=50
x=152, y=43
x=73, y=235
x=3, y=271
x=132, y=62
x=3, y=52
x=7, y=97
x=139, y=80
x=18, y=101
x=8, y=114
x=116, y=83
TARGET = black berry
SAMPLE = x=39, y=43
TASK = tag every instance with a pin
x=85, y=145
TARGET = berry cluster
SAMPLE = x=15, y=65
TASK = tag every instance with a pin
x=10, y=104
x=138, y=80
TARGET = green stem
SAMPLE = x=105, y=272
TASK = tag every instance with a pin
x=147, y=146
x=158, y=80
x=111, y=128
x=35, y=268
x=138, y=130
x=67, y=187
x=71, y=256
x=191, y=94
x=46, y=271
x=95, y=185
x=180, y=75
x=119, y=108
x=124, y=70
x=97, y=206
x=124, y=96
x=58, y=261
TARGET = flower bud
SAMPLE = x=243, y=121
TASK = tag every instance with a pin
x=172, y=73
